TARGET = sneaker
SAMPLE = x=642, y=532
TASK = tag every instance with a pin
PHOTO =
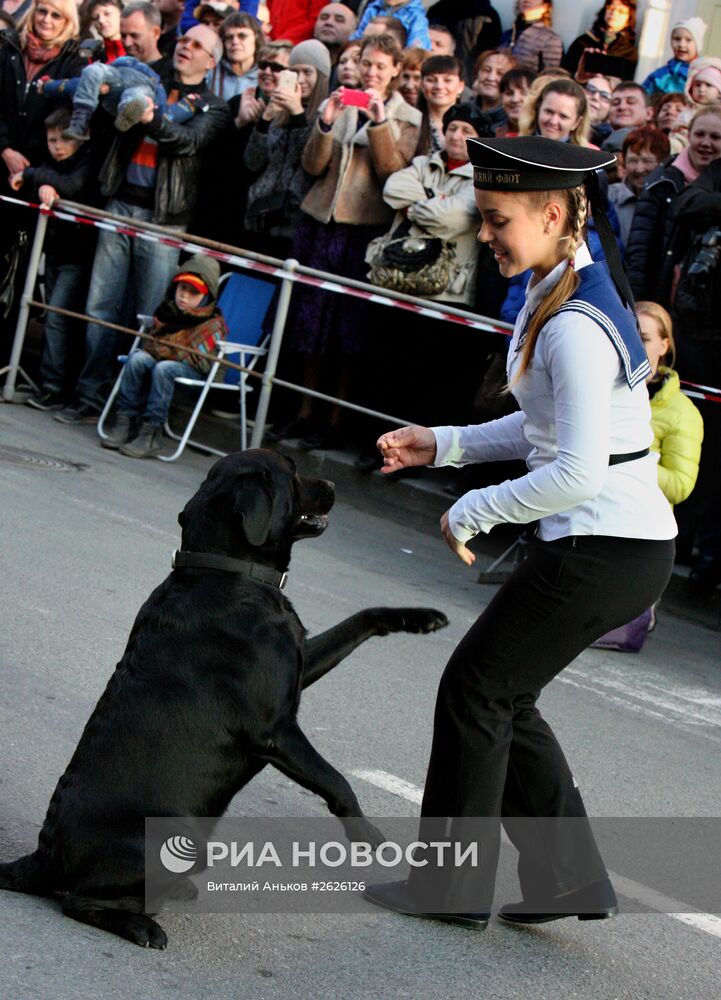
x=122, y=432
x=45, y=400
x=130, y=114
x=78, y=413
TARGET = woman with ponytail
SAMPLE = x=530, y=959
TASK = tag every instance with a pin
x=601, y=552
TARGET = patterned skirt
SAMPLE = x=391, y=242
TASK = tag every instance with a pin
x=322, y=322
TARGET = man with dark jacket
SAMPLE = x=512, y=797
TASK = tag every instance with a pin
x=697, y=213
x=650, y=254
x=150, y=174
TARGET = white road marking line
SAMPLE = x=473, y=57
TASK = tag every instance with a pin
x=688, y=725
x=709, y=923
x=694, y=704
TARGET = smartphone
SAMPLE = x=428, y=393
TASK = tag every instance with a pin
x=598, y=62
x=288, y=80
x=355, y=98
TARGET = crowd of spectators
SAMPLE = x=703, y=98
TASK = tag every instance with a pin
x=318, y=131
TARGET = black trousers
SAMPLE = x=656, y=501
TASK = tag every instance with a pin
x=493, y=754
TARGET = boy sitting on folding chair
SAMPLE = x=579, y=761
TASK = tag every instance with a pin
x=188, y=317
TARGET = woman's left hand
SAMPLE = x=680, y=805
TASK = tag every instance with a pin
x=458, y=548
x=376, y=109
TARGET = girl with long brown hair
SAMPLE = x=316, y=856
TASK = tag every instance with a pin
x=602, y=551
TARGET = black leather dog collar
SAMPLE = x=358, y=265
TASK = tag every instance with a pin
x=210, y=560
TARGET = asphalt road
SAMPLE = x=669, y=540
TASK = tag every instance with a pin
x=81, y=550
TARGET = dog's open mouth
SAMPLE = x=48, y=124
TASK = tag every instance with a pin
x=311, y=525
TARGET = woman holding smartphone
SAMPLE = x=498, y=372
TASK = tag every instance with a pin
x=359, y=139
x=602, y=552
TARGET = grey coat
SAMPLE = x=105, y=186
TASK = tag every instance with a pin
x=274, y=155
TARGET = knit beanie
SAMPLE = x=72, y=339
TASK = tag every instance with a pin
x=705, y=70
x=466, y=112
x=311, y=53
x=696, y=28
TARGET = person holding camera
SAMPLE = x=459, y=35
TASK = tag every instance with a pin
x=612, y=35
x=360, y=138
x=696, y=308
x=276, y=145
x=655, y=244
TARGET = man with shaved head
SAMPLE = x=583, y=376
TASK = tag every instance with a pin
x=333, y=27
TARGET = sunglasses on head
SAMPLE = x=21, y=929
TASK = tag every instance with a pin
x=54, y=15
x=274, y=67
x=193, y=43
x=603, y=94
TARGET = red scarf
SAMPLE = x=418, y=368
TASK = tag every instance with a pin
x=37, y=54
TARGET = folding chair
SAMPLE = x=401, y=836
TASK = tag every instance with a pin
x=244, y=301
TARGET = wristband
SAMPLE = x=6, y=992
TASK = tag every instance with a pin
x=323, y=126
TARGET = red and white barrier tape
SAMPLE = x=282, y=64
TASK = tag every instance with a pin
x=694, y=390
x=128, y=229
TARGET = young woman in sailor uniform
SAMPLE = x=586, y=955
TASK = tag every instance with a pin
x=602, y=553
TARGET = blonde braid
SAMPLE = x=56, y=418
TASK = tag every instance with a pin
x=577, y=209
x=577, y=216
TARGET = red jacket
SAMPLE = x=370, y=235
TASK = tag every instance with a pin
x=293, y=20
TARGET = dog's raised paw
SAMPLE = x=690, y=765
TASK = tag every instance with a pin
x=422, y=620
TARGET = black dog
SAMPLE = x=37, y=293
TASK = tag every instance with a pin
x=205, y=695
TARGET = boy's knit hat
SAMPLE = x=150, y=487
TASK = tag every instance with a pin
x=202, y=273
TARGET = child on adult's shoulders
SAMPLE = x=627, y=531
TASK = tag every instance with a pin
x=125, y=88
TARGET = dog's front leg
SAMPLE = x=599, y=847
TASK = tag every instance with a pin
x=292, y=753
x=325, y=651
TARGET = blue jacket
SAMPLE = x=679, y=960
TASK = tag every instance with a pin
x=668, y=79
x=412, y=14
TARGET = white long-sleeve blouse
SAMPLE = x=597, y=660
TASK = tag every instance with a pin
x=576, y=411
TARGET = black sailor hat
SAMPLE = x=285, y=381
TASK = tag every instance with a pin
x=533, y=163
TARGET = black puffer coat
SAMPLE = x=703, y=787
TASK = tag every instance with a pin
x=22, y=109
x=653, y=244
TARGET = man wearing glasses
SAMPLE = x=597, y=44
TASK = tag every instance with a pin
x=150, y=174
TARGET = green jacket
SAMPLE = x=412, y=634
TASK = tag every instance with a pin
x=677, y=436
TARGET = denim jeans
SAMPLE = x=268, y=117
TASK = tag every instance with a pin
x=64, y=288
x=146, y=388
x=125, y=84
x=125, y=269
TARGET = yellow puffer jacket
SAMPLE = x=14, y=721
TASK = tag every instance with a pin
x=677, y=436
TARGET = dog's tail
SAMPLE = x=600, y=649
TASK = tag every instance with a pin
x=27, y=874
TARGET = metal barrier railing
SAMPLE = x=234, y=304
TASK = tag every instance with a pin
x=288, y=272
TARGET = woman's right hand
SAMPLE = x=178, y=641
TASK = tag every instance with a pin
x=250, y=108
x=406, y=447
x=14, y=161
x=333, y=107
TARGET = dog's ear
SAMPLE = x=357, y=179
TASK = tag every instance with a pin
x=253, y=503
x=181, y=518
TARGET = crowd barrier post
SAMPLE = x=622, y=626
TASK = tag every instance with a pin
x=22, y=323
x=276, y=339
